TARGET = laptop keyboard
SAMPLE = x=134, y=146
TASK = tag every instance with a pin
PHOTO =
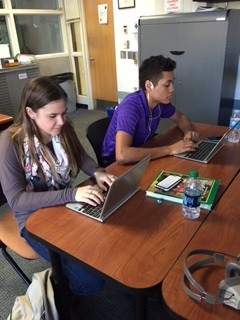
x=202, y=151
x=92, y=210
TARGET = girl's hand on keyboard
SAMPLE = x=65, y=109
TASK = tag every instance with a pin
x=90, y=195
x=104, y=179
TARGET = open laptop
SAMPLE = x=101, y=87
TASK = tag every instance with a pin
x=206, y=150
x=122, y=189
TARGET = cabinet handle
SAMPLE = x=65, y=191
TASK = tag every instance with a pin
x=177, y=53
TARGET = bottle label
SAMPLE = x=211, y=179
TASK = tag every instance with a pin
x=191, y=201
x=232, y=122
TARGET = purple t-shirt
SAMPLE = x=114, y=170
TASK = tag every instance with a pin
x=133, y=117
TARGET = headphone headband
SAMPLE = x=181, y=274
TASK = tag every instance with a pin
x=215, y=257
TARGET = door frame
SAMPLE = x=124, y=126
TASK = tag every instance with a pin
x=82, y=99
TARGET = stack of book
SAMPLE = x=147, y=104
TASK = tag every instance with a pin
x=209, y=189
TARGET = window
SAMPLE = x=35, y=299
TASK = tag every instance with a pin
x=34, y=27
x=34, y=4
x=39, y=34
x=4, y=40
x=80, y=74
x=76, y=36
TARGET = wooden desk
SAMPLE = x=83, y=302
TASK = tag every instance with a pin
x=5, y=121
x=4, y=118
x=138, y=245
x=223, y=166
x=220, y=232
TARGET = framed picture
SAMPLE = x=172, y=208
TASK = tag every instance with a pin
x=124, y=4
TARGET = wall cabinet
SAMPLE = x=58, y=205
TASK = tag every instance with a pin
x=206, y=47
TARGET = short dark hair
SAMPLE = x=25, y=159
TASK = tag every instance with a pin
x=151, y=69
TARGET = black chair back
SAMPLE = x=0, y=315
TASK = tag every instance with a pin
x=95, y=133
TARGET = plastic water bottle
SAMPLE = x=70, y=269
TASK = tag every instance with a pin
x=234, y=135
x=191, y=196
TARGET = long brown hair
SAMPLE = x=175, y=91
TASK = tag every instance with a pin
x=36, y=94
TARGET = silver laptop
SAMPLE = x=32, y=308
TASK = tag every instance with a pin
x=122, y=189
x=206, y=150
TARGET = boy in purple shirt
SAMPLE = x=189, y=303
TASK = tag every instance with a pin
x=137, y=117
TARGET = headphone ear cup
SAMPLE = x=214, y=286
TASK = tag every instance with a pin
x=232, y=269
x=229, y=292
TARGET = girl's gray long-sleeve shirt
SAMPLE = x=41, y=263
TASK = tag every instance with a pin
x=13, y=182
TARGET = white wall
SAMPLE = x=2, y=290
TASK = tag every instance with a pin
x=127, y=70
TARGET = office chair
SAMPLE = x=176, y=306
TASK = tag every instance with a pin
x=10, y=238
x=95, y=133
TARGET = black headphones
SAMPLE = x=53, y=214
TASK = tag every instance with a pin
x=228, y=288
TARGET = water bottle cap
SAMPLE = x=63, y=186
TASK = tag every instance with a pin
x=193, y=173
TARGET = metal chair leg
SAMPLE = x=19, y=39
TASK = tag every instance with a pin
x=10, y=260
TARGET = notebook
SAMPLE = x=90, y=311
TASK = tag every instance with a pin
x=206, y=150
x=122, y=189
